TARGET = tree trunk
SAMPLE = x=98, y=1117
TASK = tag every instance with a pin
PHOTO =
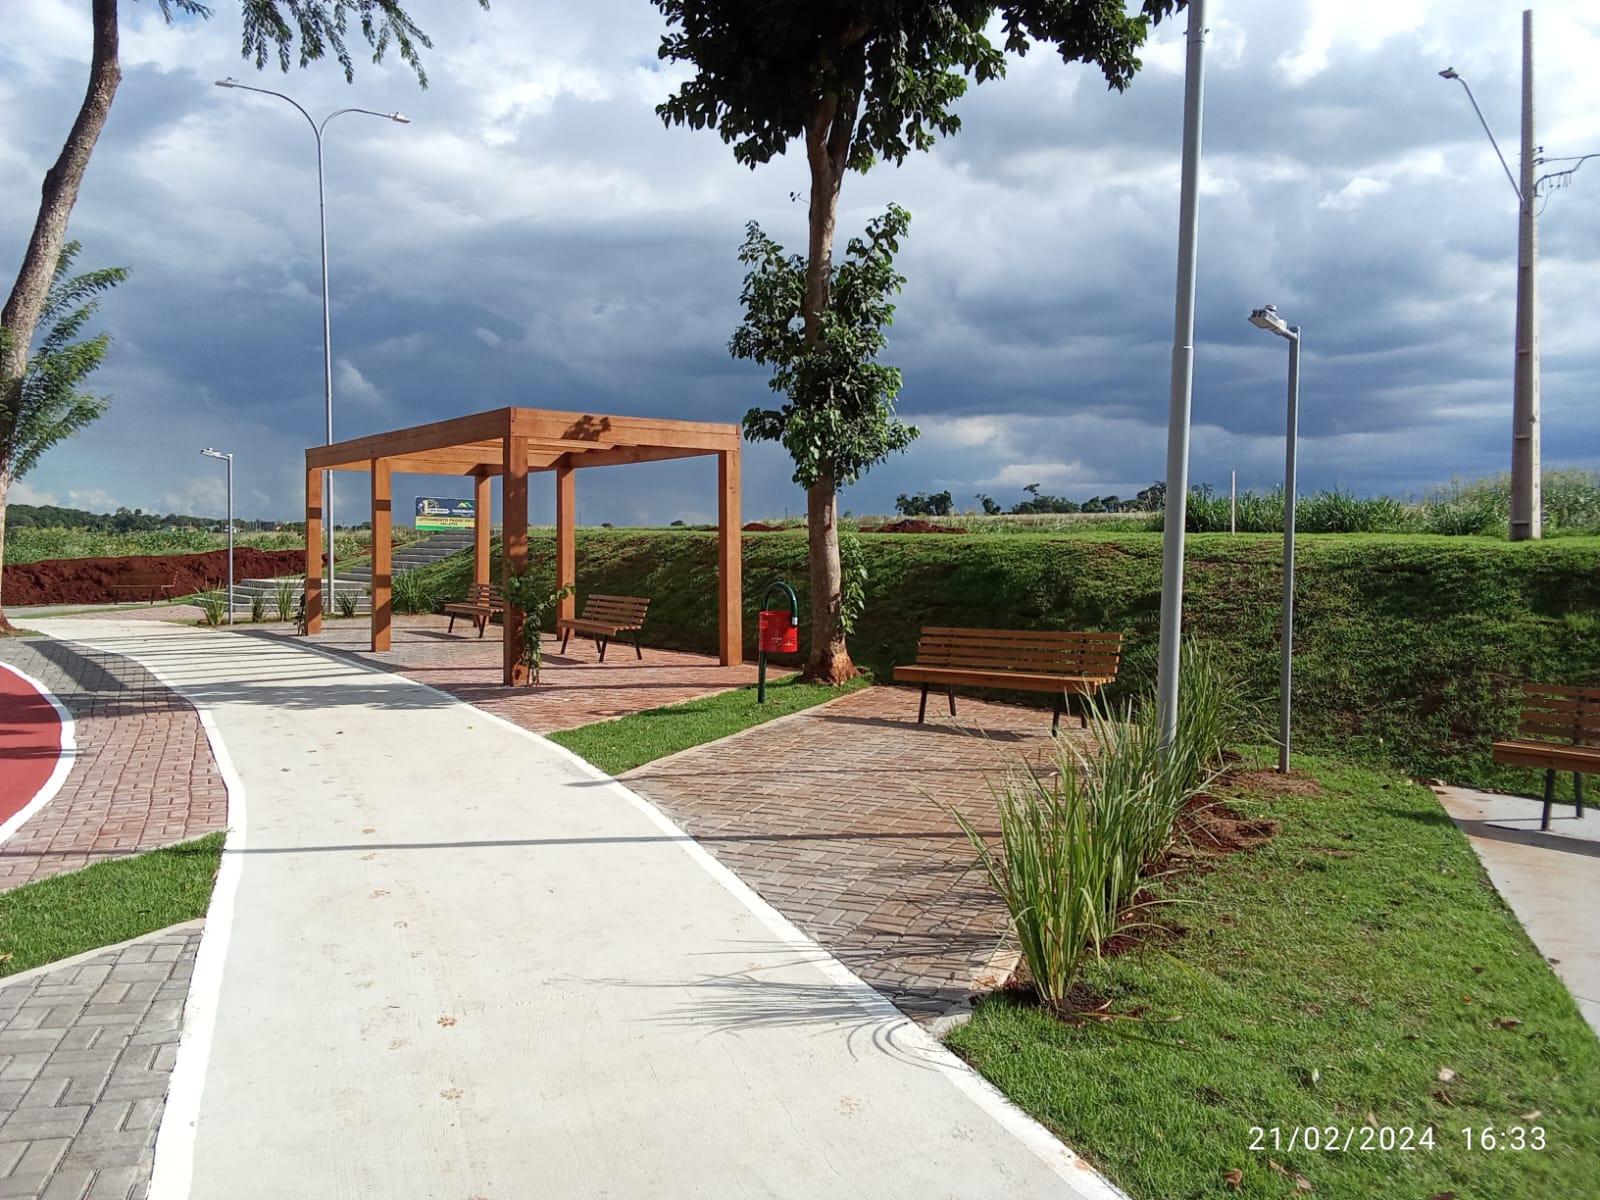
x=828, y=137
x=829, y=660
x=59, y=193
x=5, y=487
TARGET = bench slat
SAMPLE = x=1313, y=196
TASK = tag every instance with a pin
x=1024, y=681
x=1584, y=759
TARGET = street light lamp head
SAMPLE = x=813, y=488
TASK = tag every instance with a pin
x=1449, y=73
x=399, y=118
x=210, y=453
x=1267, y=318
x=228, y=82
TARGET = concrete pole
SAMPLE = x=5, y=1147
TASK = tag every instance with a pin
x=1526, y=519
x=1170, y=648
x=230, y=539
x=1291, y=450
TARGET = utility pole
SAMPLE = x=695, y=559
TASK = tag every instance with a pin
x=1525, y=490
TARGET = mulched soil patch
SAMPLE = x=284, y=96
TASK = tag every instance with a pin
x=1270, y=783
x=92, y=580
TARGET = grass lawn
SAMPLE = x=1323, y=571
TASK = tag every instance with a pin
x=628, y=742
x=107, y=903
x=1358, y=969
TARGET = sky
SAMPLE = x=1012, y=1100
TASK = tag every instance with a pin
x=536, y=237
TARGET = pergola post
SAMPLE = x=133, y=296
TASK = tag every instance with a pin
x=730, y=561
x=382, y=539
x=313, y=586
x=514, y=552
x=480, y=525
x=566, y=536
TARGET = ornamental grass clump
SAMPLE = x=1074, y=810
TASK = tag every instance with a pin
x=1054, y=870
x=283, y=596
x=1077, y=843
x=213, y=606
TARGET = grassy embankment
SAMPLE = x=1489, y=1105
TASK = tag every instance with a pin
x=1407, y=647
x=1359, y=971
x=107, y=903
x=32, y=544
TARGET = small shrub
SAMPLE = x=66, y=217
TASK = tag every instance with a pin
x=1053, y=871
x=852, y=577
x=283, y=596
x=532, y=593
x=213, y=606
x=412, y=593
x=347, y=601
x=258, y=608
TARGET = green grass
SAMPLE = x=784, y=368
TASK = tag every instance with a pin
x=628, y=742
x=1407, y=646
x=107, y=903
x=1329, y=975
x=31, y=543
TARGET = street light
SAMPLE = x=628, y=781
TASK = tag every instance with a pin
x=1267, y=318
x=227, y=458
x=322, y=226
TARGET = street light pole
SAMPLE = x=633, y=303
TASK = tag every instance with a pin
x=327, y=319
x=1267, y=318
x=1176, y=503
x=227, y=458
x=1526, y=492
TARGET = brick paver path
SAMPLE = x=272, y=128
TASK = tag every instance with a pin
x=143, y=775
x=838, y=817
x=574, y=688
x=86, y=1050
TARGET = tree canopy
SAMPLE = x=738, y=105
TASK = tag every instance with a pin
x=898, y=66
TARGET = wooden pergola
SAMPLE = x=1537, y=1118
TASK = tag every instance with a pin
x=511, y=442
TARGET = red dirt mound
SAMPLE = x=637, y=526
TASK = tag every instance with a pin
x=912, y=526
x=758, y=527
x=93, y=580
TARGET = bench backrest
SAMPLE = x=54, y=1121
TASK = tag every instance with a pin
x=625, y=612
x=1041, y=651
x=485, y=595
x=1553, y=712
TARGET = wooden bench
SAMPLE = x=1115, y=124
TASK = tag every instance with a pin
x=1024, y=660
x=1559, y=731
x=155, y=583
x=484, y=600
x=604, y=617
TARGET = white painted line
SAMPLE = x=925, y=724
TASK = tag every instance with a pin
x=66, y=756
x=173, y=1173
x=1085, y=1182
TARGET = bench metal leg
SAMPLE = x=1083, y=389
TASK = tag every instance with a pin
x=483, y=624
x=1549, y=797
x=638, y=651
x=565, y=634
x=1577, y=791
x=452, y=627
x=922, y=709
x=951, y=692
x=1055, y=715
x=602, y=644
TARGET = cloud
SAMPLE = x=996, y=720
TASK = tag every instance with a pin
x=536, y=237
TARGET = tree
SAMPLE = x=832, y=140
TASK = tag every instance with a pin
x=839, y=420
x=49, y=403
x=858, y=81
x=990, y=508
x=277, y=28
x=923, y=504
x=1040, y=502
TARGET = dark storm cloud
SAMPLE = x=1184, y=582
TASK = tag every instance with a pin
x=536, y=237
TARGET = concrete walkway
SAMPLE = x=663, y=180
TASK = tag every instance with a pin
x=1548, y=879
x=447, y=960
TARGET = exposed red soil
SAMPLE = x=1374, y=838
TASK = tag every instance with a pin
x=94, y=580
x=911, y=526
x=1270, y=783
x=758, y=527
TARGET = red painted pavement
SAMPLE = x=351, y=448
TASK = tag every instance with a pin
x=30, y=742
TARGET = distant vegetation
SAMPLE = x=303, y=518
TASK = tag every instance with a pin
x=33, y=543
x=1479, y=507
x=51, y=516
